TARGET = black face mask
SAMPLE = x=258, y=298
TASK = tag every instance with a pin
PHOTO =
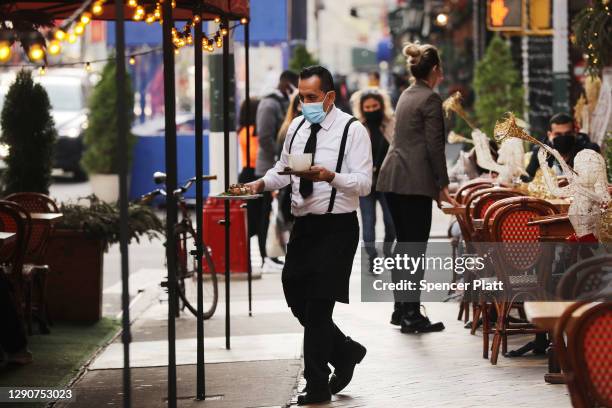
x=564, y=143
x=374, y=117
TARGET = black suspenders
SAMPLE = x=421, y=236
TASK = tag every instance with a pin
x=339, y=165
x=340, y=156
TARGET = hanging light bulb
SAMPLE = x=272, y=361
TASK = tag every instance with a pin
x=189, y=40
x=244, y=20
x=54, y=47
x=139, y=13
x=224, y=31
x=97, y=8
x=176, y=51
x=196, y=18
x=442, y=19
x=79, y=29
x=36, y=52
x=71, y=38
x=88, y=67
x=173, y=4
x=157, y=13
x=217, y=19
x=42, y=70
x=132, y=60
x=60, y=35
x=150, y=19
x=85, y=18
x=5, y=51
x=132, y=3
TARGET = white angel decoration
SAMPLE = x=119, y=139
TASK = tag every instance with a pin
x=587, y=186
x=587, y=182
x=509, y=165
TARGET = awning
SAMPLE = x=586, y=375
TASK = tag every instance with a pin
x=232, y=9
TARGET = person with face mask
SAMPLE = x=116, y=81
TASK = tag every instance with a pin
x=372, y=108
x=325, y=233
x=270, y=115
x=563, y=137
x=413, y=175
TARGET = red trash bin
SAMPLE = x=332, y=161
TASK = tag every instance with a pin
x=214, y=235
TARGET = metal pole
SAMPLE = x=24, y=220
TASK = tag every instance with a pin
x=122, y=129
x=226, y=158
x=247, y=94
x=199, y=141
x=171, y=206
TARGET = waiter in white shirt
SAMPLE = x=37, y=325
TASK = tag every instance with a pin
x=326, y=232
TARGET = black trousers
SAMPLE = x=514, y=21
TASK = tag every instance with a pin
x=412, y=219
x=323, y=341
x=12, y=333
x=264, y=222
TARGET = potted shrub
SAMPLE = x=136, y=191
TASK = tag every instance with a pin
x=29, y=132
x=100, y=159
x=76, y=252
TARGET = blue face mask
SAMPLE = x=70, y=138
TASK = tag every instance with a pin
x=314, y=112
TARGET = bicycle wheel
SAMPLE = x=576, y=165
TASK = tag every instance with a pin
x=187, y=286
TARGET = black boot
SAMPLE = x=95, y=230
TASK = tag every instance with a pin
x=315, y=395
x=414, y=322
x=396, y=316
x=343, y=373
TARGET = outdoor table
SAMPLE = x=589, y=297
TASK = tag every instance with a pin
x=545, y=315
x=562, y=204
x=6, y=237
x=454, y=210
x=553, y=228
x=44, y=218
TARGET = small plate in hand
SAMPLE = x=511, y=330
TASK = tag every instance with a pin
x=226, y=196
x=298, y=173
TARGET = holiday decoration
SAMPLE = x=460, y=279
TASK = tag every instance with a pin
x=587, y=185
x=592, y=31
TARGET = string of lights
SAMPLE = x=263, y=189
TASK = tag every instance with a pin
x=75, y=26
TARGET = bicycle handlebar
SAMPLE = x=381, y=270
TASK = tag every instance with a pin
x=160, y=178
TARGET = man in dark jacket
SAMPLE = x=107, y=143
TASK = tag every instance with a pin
x=563, y=137
x=270, y=115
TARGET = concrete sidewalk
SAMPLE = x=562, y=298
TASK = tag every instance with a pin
x=263, y=368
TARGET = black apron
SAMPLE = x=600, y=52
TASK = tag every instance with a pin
x=321, y=250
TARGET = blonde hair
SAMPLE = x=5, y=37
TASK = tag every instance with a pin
x=289, y=116
x=421, y=58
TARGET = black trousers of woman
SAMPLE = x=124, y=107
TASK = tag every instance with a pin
x=412, y=219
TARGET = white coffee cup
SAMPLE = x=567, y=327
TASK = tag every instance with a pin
x=300, y=161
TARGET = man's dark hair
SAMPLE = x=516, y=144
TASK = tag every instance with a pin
x=375, y=74
x=561, y=119
x=289, y=76
x=327, y=81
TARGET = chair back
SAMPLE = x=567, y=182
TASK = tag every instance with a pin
x=480, y=200
x=13, y=218
x=466, y=189
x=520, y=254
x=587, y=358
x=40, y=232
x=587, y=279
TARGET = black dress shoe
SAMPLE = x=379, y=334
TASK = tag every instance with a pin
x=314, y=397
x=343, y=374
x=420, y=324
x=396, y=316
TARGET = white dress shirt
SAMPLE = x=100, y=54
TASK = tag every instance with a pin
x=354, y=179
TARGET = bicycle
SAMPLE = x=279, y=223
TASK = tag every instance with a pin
x=184, y=233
